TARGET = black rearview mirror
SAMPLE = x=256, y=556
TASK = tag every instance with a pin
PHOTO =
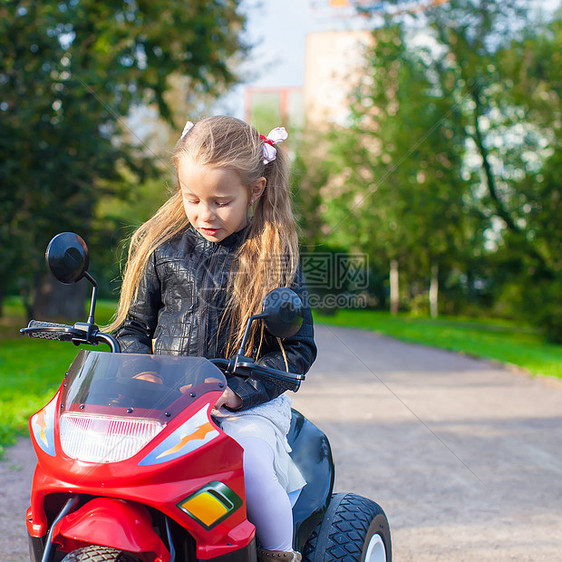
x=282, y=310
x=67, y=257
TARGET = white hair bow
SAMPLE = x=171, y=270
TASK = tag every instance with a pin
x=188, y=126
x=275, y=136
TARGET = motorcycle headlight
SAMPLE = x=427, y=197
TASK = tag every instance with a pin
x=100, y=439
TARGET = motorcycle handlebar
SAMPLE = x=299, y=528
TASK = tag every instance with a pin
x=78, y=334
x=89, y=334
x=247, y=367
x=49, y=331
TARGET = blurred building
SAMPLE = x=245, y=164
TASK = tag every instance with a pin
x=334, y=63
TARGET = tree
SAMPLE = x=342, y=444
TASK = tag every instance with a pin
x=533, y=247
x=507, y=68
x=453, y=155
x=395, y=191
x=70, y=72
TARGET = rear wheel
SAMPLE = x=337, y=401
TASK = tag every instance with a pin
x=354, y=529
x=94, y=553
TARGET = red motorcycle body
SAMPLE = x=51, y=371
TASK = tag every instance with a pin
x=140, y=449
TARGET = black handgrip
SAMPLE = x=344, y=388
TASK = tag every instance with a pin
x=246, y=367
x=41, y=324
x=292, y=380
x=78, y=334
x=49, y=331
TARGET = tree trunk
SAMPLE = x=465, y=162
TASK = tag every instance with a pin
x=434, y=291
x=394, y=288
x=57, y=302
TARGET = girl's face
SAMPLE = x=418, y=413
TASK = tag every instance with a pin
x=215, y=200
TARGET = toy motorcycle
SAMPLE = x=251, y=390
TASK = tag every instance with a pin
x=133, y=466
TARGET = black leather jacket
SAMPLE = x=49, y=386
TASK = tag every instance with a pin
x=180, y=304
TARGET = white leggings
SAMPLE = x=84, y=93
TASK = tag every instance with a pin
x=268, y=504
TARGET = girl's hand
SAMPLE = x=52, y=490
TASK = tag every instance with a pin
x=229, y=399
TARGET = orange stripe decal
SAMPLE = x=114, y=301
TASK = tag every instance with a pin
x=199, y=433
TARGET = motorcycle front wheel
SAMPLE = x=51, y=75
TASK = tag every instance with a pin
x=353, y=528
x=95, y=553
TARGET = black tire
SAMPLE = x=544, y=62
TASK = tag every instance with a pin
x=351, y=523
x=95, y=553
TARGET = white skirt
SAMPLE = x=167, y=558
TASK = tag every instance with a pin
x=270, y=422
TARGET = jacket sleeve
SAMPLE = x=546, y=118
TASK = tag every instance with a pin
x=136, y=333
x=300, y=351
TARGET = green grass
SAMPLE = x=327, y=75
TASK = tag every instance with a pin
x=491, y=339
x=31, y=370
x=30, y=373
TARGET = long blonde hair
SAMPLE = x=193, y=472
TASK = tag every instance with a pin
x=268, y=258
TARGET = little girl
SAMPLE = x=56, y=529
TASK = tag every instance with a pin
x=198, y=269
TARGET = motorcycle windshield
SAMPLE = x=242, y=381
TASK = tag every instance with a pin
x=137, y=385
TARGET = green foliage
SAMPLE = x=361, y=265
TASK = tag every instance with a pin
x=70, y=73
x=116, y=218
x=391, y=185
x=507, y=69
x=452, y=159
x=409, y=153
x=306, y=178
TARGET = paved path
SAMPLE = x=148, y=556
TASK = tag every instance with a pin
x=464, y=456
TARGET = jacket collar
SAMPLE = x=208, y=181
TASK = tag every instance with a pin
x=234, y=239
